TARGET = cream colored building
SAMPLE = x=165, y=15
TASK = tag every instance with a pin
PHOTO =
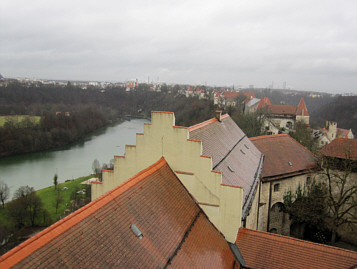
x=161, y=138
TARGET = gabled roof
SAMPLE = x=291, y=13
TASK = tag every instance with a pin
x=267, y=250
x=232, y=153
x=284, y=109
x=176, y=232
x=302, y=107
x=283, y=156
x=342, y=148
x=343, y=133
x=264, y=102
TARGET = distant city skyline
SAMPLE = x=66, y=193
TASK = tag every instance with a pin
x=305, y=45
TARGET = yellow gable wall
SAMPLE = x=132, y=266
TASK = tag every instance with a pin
x=221, y=203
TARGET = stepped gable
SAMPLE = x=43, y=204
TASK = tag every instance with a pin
x=232, y=153
x=175, y=231
x=342, y=148
x=161, y=138
x=266, y=250
x=283, y=156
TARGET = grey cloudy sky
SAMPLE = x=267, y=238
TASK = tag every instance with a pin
x=310, y=44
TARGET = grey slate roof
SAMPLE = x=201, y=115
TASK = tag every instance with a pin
x=232, y=153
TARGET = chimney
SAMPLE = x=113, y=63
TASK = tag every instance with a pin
x=218, y=115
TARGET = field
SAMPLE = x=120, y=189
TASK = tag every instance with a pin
x=18, y=119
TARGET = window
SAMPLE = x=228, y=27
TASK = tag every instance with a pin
x=308, y=180
x=276, y=187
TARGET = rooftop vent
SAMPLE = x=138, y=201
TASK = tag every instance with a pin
x=230, y=168
x=242, y=152
x=290, y=163
x=246, y=146
x=136, y=231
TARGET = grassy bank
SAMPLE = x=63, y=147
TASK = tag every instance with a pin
x=48, y=196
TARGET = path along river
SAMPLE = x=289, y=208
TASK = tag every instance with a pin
x=38, y=169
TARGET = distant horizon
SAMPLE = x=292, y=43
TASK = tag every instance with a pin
x=236, y=86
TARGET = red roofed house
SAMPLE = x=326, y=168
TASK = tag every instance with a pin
x=330, y=132
x=284, y=116
x=150, y=221
x=262, y=250
x=287, y=164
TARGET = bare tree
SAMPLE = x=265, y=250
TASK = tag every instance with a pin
x=96, y=167
x=341, y=191
x=4, y=193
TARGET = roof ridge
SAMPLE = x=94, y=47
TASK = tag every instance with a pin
x=57, y=228
x=204, y=123
x=309, y=243
x=267, y=136
x=167, y=112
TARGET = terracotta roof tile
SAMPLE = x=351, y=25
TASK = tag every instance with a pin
x=232, y=153
x=342, y=148
x=267, y=250
x=283, y=156
x=302, y=106
x=284, y=109
x=174, y=229
x=343, y=133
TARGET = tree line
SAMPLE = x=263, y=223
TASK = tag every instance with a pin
x=87, y=109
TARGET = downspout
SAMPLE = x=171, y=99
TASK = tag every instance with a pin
x=269, y=206
x=260, y=188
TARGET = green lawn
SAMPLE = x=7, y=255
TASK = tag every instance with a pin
x=48, y=196
x=19, y=119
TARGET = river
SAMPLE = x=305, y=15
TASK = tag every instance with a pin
x=38, y=169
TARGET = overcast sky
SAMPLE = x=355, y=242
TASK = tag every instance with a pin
x=312, y=45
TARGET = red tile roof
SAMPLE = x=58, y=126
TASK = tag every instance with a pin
x=284, y=109
x=302, y=106
x=232, y=153
x=279, y=152
x=267, y=250
x=343, y=133
x=231, y=95
x=176, y=232
x=342, y=148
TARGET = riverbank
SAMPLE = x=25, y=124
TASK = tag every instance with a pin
x=73, y=161
x=71, y=195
